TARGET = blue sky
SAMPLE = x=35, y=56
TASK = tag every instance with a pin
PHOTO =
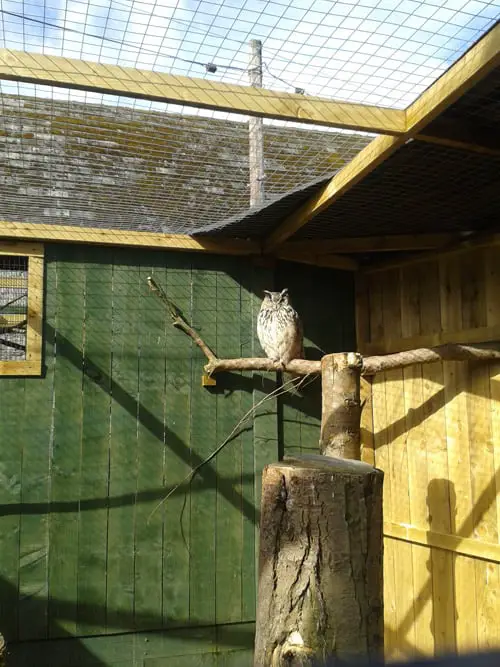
x=383, y=52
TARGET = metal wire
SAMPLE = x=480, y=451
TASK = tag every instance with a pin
x=130, y=168
x=13, y=307
x=421, y=188
x=383, y=52
x=106, y=161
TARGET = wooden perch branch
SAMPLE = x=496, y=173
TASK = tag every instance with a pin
x=429, y=355
x=179, y=322
x=370, y=365
x=300, y=366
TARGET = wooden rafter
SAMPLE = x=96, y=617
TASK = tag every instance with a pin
x=156, y=86
x=481, y=59
x=324, y=248
x=68, y=234
x=331, y=260
x=463, y=135
x=33, y=318
x=476, y=241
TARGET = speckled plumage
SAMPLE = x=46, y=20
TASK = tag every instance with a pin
x=279, y=328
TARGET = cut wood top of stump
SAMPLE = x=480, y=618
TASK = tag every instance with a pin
x=327, y=464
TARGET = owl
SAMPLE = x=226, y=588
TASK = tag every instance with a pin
x=279, y=328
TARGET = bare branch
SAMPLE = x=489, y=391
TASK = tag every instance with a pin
x=9, y=303
x=369, y=365
x=300, y=366
x=10, y=328
x=449, y=352
x=179, y=322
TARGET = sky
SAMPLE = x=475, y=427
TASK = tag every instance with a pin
x=383, y=52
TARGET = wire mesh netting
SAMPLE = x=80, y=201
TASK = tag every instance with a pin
x=383, y=52
x=126, y=168
x=13, y=307
x=421, y=188
x=481, y=104
x=95, y=160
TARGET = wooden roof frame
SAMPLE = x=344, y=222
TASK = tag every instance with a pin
x=32, y=364
x=399, y=127
x=87, y=76
x=479, y=60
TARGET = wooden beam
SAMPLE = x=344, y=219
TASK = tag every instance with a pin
x=482, y=58
x=20, y=283
x=462, y=135
x=328, y=261
x=360, y=166
x=474, y=65
x=472, y=336
x=117, y=237
x=19, y=248
x=362, y=244
x=466, y=546
x=476, y=241
x=20, y=368
x=201, y=93
x=11, y=319
x=35, y=313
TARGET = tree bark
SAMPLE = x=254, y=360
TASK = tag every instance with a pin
x=341, y=406
x=320, y=569
x=299, y=366
x=431, y=355
x=370, y=365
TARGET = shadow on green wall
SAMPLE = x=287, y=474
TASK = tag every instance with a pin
x=70, y=651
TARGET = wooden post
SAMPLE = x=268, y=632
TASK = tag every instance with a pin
x=255, y=130
x=341, y=405
x=320, y=569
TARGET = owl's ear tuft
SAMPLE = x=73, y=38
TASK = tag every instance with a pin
x=267, y=292
x=284, y=292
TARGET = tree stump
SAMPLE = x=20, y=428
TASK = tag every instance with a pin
x=320, y=568
x=341, y=405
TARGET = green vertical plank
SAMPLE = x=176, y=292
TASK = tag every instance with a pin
x=247, y=333
x=235, y=659
x=92, y=545
x=203, y=442
x=148, y=597
x=66, y=454
x=265, y=415
x=11, y=419
x=326, y=330
x=198, y=660
x=229, y=529
x=123, y=442
x=35, y=491
x=176, y=510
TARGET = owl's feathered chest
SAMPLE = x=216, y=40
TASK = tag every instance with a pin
x=280, y=332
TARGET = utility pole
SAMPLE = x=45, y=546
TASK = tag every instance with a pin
x=255, y=130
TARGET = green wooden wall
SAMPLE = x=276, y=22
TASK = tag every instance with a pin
x=325, y=301
x=89, y=575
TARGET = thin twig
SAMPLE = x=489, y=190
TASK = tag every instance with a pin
x=9, y=303
x=8, y=328
x=276, y=392
x=12, y=344
x=179, y=321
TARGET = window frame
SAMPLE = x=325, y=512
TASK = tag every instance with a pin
x=32, y=364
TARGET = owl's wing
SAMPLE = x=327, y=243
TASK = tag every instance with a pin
x=300, y=335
